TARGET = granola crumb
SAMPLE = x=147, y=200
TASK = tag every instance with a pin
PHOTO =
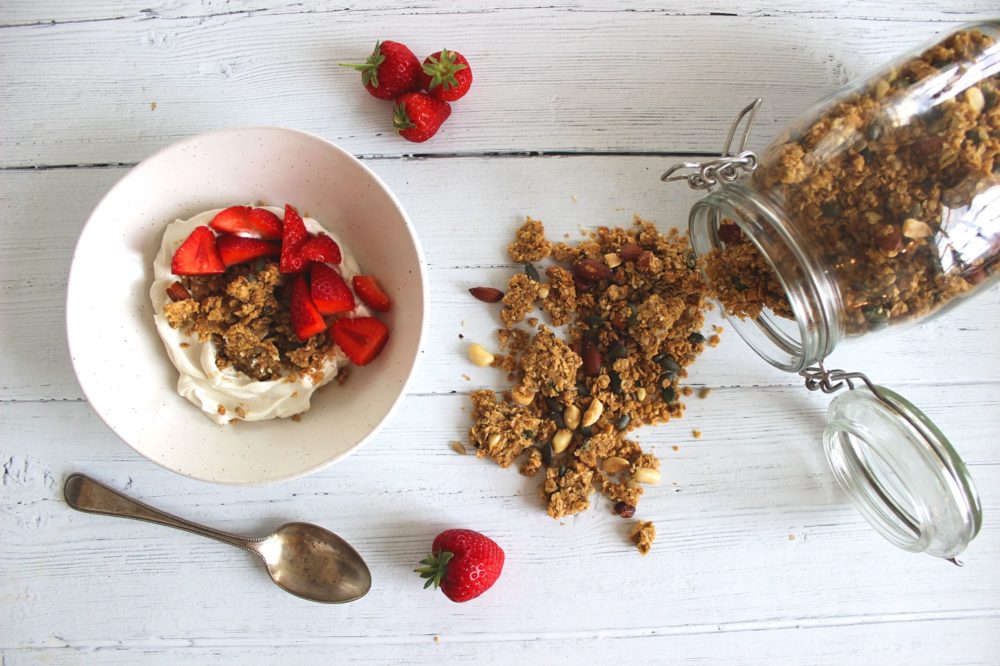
x=519, y=300
x=458, y=447
x=642, y=534
x=221, y=410
x=296, y=417
x=714, y=340
x=696, y=434
x=704, y=392
x=675, y=447
x=530, y=244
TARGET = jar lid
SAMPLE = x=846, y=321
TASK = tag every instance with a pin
x=901, y=472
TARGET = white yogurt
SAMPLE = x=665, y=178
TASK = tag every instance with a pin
x=201, y=381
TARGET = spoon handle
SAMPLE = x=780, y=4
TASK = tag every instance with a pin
x=85, y=494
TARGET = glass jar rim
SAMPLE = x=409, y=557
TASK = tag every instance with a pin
x=811, y=293
x=901, y=472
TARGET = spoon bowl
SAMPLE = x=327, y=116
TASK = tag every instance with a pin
x=314, y=563
x=303, y=559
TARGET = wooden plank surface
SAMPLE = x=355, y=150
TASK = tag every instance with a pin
x=760, y=558
x=547, y=80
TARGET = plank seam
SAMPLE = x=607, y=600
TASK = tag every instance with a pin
x=747, y=626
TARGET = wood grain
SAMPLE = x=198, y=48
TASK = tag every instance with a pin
x=91, y=99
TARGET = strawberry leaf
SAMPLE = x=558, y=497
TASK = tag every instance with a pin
x=369, y=69
x=435, y=567
x=442, y=70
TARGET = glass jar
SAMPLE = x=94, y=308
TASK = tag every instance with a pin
x=879, y=207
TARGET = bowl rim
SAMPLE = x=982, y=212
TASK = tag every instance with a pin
x=424, y=289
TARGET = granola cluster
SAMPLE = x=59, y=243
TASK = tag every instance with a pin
x=884, y=199
x=245, y=313
x=633, y=305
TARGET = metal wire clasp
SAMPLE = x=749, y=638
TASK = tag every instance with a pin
x=726, y=168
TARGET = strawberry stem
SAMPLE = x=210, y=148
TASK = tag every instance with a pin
x=442, y=70
x=400, y=119
x=369, y=69
x=435, y=567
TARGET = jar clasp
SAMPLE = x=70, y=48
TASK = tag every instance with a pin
x=726, y=168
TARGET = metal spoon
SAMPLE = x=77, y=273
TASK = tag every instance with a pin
x=306, y=560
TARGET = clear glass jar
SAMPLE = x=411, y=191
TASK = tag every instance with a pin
x=879, y=207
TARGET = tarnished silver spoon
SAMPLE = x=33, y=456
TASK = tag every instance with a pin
x=306, y=560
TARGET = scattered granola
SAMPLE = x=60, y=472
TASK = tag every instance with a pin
x=881, y=193
x=642, y=535
x=633, y=304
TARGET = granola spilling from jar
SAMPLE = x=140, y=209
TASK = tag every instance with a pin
x=633, y=305
x=888, y=200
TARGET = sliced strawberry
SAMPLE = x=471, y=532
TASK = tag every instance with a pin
x=266, y=223
x=198, y=255
x=247, y=221
x=306, y=319
x=321, y=248
x=370, y=291
x=293, y=237
x=361, y=339
x=329, y=291
x=239, y=249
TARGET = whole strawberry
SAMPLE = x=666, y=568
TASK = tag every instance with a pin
x=418, y=116
x=446, y=75
x=390, y=70
x=463, y=563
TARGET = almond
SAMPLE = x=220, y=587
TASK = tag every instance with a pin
x=486, y=294
x=178, y=292
x=591, y=359
x=591, y=270
x=629, y=252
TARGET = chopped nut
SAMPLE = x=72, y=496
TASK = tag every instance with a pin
x=479, y=356
x=640, y=394
x=178, y=292
x=646, y=475
x=612, y=260
x=593, y=413
x=571, y=417
x=643, y=535
x=615, y=464
x=543, y=291
x=522, y=396
x=561, y=440
x=916, y=229
x=458, y=448
x=975, y=99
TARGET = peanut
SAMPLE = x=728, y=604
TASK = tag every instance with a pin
x=561, y=440
x=593, y=413
x=479, y=356
x=571, y=416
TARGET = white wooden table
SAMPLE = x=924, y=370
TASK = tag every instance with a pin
x=576, y=109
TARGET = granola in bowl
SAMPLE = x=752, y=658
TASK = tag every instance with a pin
x=252, y=326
